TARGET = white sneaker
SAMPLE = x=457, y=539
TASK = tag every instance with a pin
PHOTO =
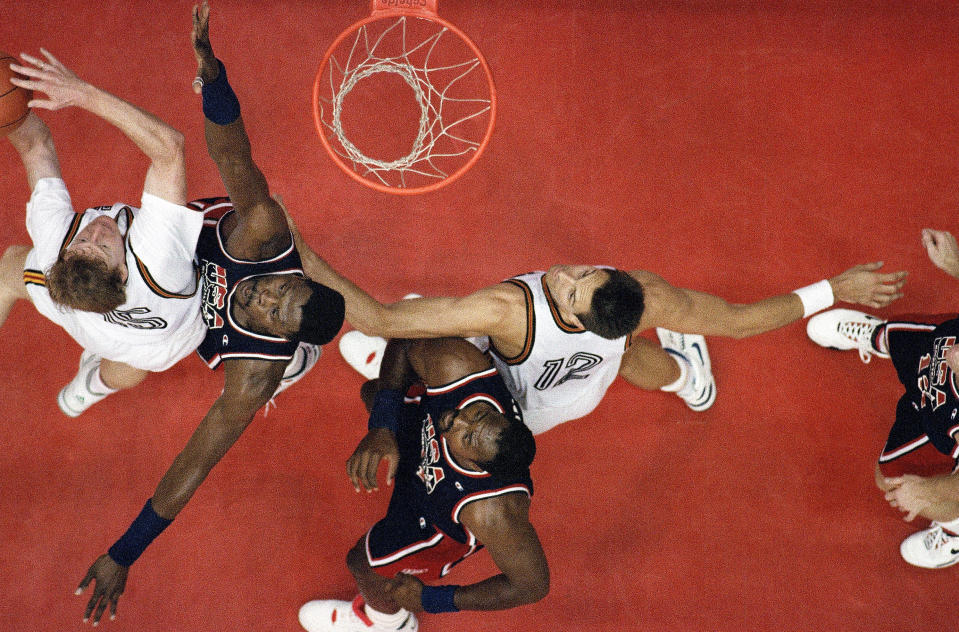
x=77, y=396
x=700, y=390
x=363, y=353
x=304, y=358
x=333, y=615
x=844, y=329
x=932, y=548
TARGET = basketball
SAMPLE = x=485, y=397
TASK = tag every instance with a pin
x=13, y=100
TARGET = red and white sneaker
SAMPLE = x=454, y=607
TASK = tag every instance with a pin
x=363, y=353
x=334, y=615
x=845, y=329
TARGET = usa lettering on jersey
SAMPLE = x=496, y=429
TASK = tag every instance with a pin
x=934, y=372
x=214, y=293
x=430, y=455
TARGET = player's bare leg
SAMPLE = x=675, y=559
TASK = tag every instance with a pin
x=681, y=365
x=647, y=366
x=95, y=380
x=119, y=376
x=12, y=288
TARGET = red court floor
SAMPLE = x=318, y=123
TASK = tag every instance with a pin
x=743, y=148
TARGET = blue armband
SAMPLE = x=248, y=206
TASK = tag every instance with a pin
x=147, y=526
x=437, y=599
x=387, y=408
x=220, y=104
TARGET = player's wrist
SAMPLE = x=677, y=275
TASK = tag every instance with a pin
x=144, y=529
x=815, y=297
x=438, y=599
x=387, y=406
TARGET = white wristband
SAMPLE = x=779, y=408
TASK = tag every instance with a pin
x=815, y=297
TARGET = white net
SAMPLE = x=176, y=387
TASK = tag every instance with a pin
x=404, y=137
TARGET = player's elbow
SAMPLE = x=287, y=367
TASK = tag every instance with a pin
x=536, y=591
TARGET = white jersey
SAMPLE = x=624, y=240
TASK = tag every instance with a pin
x=160, y=322
x=563, y=370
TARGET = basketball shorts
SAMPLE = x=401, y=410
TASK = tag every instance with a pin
x=915, y=445
x=406, y=542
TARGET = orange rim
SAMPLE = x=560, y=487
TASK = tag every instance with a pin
x=379, y=14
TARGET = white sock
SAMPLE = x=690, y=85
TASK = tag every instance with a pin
x=684, y=367
x=390, y=621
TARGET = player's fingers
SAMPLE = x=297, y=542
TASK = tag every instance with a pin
x=393, y=464
x=113, y=604
x=369, y=473
x=84, y=582
x=911, y=516
x=91, y=604
x=53, y=60
x=99, y=612
x=27, y=57
x=351, y=472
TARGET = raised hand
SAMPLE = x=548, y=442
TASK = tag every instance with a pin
x=110, y=580
x=378, y=444
x=207, y=68
x=942, y=249
x=61, y=85
x=863, y=284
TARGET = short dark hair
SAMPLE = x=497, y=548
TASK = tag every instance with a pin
x=85, y=283
x=515, y=449
x=616, y=308
x=322, y=315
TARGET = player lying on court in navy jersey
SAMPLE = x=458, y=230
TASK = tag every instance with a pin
x=120, y=280
x=458, y=456
x=261, y=313
x=559, y=338
x=917, y=469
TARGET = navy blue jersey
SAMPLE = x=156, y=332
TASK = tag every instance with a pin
x=220, y=274
x=429, y=480
x=930, y=406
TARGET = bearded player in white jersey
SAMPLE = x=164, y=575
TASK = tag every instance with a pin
x=559, y=338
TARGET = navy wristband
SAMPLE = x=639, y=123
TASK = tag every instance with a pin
x=437, y=599
x=387, y=406
x=145, y=528
x=220, y=104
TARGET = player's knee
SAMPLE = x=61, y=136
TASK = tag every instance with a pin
x=356, y=560
x=11, y=271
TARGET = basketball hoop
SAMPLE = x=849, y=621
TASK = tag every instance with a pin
x=404, y=101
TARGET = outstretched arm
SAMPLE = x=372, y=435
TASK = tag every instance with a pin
x=163, y=145
x=489, y=311
x=261, y=231
x=690, y=311
x=249, y=384
x=502, y=524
